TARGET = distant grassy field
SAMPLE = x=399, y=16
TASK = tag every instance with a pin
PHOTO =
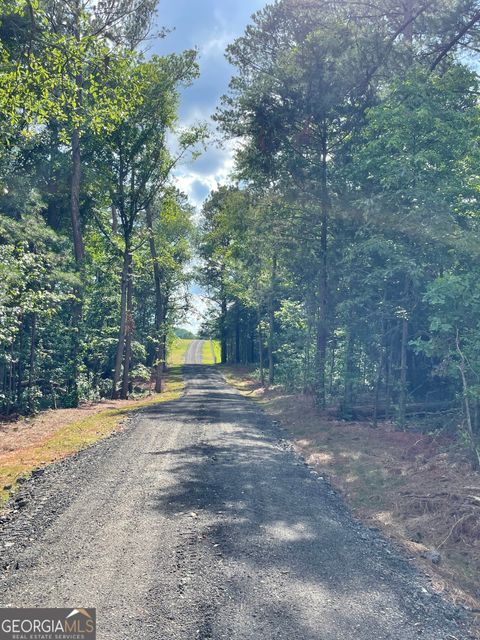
x=177, y=351
x=217, y=350
x=207, y=355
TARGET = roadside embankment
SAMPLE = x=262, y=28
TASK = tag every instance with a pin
x=31, y=443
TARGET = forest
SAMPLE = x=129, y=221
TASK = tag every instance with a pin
x=342, y=256
x=94, y=236
x=345, y=256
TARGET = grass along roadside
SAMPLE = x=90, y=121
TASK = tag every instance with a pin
x=418, y=489
x=211, y=352
x=47, y=438
x=177, y=351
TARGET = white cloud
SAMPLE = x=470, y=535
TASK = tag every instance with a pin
x=209, y=26
x=215, y=46
x=214, y=168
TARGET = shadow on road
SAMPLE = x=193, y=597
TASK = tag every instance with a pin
x=276, y=537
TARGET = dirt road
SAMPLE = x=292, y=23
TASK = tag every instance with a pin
x=199, y=522
x=194, y=352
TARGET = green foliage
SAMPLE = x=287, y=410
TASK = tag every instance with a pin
x=35, y=288
x=345, y=259
x=454, y=304
x=72, y=72
x=184, y=333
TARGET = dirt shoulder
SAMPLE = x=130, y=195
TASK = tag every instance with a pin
x=417, y=489
x=32, y=443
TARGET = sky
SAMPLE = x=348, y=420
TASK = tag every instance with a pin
x=209, y=26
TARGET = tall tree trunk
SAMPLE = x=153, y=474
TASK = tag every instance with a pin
x=322, y=331
x=310, y=347
x=260, y=347
x=163, y=356
x=408, y=20
x=223, y=328
x=381, y=362
x=53, y=212
x=475, y=453
x=402, y=401
x=159, y=307
x=31, y=367
x=76, y=327
x=378, y=379
x=348, y=376
x=20, y=363
x=114, y=219
x=79, y=252
x=388, y=377
x=123, y=324
x=251, y=342
x=3, y=378
x=11, y=370
x=237, y=334
x=75, y=186
x=78, y=246
x=271, y=322
x=129, y=334
x=332, y=368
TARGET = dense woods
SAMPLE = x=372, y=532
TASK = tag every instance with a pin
x=94, y=237
x=343, y=255
x=345, y=258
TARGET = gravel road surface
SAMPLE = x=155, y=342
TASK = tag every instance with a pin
x=194, y=352
x=200, y=522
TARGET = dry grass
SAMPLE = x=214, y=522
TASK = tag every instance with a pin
x=418, y=489
x=33, y=443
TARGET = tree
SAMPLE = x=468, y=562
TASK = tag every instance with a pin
x=412, y=165
x=170, y=237
x=356, y=126
x=73, y=89
x=295, y=105
x=453, y=340
x=136, y=163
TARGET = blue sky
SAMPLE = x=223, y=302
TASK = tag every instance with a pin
x=209, y=26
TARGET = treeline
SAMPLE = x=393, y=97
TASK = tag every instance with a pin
x=346, y=261
x=94, y=239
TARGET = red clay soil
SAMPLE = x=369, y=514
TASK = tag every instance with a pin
x=27, y=432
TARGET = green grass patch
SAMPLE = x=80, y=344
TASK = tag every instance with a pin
x=78, y=435
x=217, y=350
x=177, y=351
x=211, y=353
